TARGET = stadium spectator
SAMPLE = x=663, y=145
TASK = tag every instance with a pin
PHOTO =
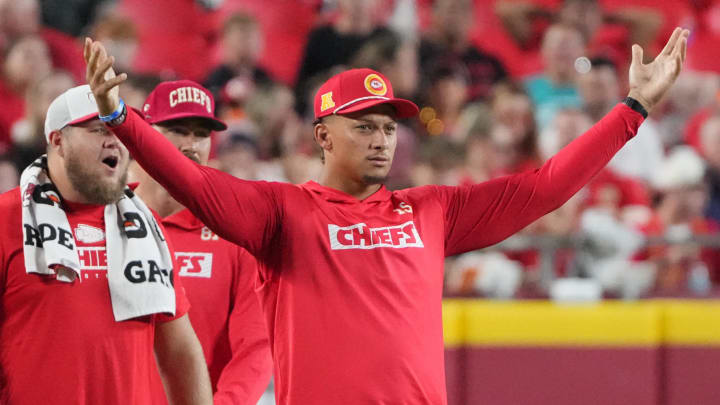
x=138, y=88
x=607, y=33
x=238, y=154
x=555, y=88
x=697, y=120
x=26, y=60
x=710, y=142
x=693, y=94
x=704, y=17
x=678, y=217
x=271, y=110
x=336, y=43
x=447, y=111
x=437, y=161
x=623, y=199
x=72, y=20
x=514, y=135
x=394, y=56
x=9, y=176
x=477, y=160
x=600, y=90
x=120, y=33
x=28, y=133
x=241, y=46
x=21, y=18
x=448, y=42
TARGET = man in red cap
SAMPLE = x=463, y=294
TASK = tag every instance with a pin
x=350, y=273
x=218, y=275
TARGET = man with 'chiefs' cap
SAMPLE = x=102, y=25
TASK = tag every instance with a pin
x=218, y=275
x=350, y=273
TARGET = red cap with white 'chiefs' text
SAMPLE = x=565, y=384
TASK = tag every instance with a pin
x=356, y=90
x=181, y=99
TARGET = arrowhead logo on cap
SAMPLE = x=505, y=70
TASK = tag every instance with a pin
x=375, y=85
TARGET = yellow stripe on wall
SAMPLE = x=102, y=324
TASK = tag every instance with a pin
x=453, y=322
x=609, y=323
x=692, y=323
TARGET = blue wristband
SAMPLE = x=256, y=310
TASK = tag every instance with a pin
x=119, y=110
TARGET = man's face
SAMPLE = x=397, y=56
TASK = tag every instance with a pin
x=561, y=46
x=454, y=18
x=190, y=135
x=363, y=144
x=710, y=138
x=96, y=162
x=599, y=88
x=243, y=44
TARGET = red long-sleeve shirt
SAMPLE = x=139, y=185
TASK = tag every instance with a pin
x=351, y=289
x=219, y=278
x=59, y=342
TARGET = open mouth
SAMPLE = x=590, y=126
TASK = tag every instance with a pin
x=111, y=161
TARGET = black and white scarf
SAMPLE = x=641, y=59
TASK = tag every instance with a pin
x=139, y=263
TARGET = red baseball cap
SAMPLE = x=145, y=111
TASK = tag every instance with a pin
x=356, y=90
x=181, y=99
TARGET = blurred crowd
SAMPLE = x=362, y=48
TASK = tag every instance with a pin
x=502, y=86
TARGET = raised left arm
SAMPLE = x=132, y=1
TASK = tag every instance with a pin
x=181, y=363
x=484, y=214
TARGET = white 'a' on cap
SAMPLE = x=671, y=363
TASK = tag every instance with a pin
x=74, y=106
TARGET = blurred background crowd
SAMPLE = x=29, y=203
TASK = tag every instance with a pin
x=502, y=85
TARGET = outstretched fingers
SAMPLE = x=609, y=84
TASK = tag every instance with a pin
x=670, y=45
x=92, y=61
x=637, y=55
x=106, y=86
x=681, y=46
x=104, y=63
x=86, y=49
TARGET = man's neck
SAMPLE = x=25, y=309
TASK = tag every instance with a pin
x=357, y=189
x=154, y=195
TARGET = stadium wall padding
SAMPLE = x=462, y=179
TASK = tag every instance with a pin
x=654, y=352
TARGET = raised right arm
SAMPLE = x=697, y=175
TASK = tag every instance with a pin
x=244, y=212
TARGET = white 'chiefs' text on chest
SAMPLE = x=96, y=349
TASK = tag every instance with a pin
x=361, y=236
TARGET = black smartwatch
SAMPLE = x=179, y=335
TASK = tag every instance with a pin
x=635, y=105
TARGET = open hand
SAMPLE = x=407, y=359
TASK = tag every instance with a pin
x=649, y=82
x=101, y=76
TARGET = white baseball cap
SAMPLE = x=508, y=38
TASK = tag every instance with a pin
x=74, y=106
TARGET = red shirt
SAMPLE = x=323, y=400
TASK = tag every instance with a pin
x=352, y=289
x=219, y=279
x=59, y=342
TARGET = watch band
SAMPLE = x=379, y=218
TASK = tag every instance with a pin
x=635, y=105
